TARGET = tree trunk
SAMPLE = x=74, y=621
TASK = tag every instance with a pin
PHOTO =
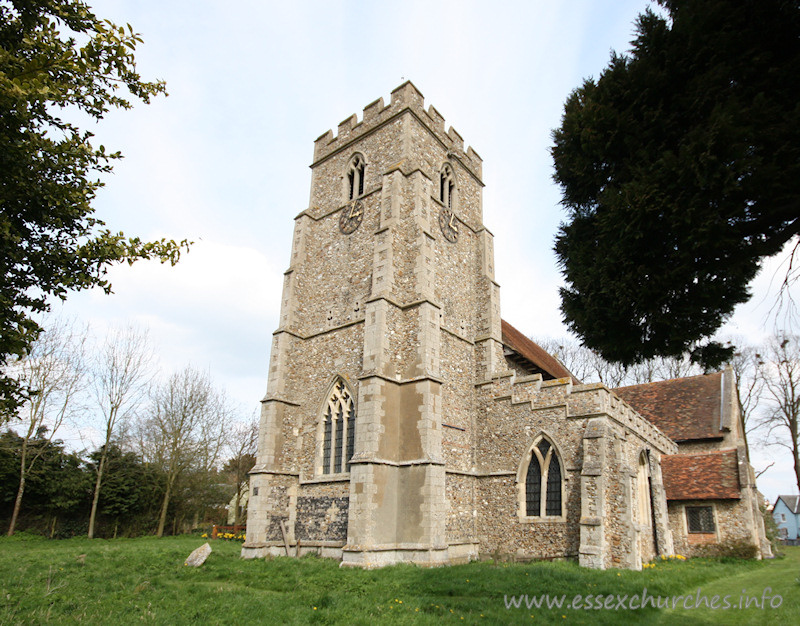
x=17, y=505
x=162, y=519
x=116, y=527
x=796, y=457
x=23, y=470
x=97, y=484
x=53, y=526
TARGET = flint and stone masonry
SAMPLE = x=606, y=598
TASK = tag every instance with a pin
x=390, y=315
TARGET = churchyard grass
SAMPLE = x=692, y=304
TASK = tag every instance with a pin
x=144, y=581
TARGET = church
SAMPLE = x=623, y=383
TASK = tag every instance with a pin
x=406, y=421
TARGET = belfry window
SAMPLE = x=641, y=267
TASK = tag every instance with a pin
x=355, y=177
x=543, y=482
x=447, y=186
x=338, y=432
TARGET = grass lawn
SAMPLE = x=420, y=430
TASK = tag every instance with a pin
x=144, y=580
x=781, y=576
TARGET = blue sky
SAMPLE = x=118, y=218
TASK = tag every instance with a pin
x=223, y=160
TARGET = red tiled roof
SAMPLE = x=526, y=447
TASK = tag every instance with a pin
x=701, y=476
x=533, y=352
x=683, y=408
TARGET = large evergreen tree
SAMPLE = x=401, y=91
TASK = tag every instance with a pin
x=57, y=59
x=680, y=172
x=131, y=494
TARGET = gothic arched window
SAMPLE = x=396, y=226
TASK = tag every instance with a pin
x=447, y=186
x=543, y=482
x=339, y=422
x=355, y=177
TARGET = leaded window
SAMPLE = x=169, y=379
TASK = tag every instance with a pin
x=543, y=482
x=351, y=438
x=700, y=519
x=355, y=177
x=338, y=430
x=533, y=493
x=553, y=501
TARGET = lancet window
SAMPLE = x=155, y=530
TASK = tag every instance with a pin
x=355, y=177
x=339, y=424
x=447, y=186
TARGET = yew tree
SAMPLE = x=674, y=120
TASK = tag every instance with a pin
x=59, y=63
x=680, y=173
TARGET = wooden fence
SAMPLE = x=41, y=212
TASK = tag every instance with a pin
x=226, y=529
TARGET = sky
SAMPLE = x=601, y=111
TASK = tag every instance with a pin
x=223, y=160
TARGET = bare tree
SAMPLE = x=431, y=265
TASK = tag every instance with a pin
x=54, y=373
x=759, y=473
x=121, y=374
x=747, y=365
x=666, y=368
x=570, y=354
x=242, y=446
x=588, y=366
x=782, y=395
x=785, y=309
x=183, y=430
x=584, y=363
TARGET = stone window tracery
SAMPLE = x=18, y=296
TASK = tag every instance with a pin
x=543, y=482
x=338, y=432
x=355, y=177
x=447, y=186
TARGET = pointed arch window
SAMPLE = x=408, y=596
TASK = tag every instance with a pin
x=338, y=432
x=543, y=482
x=355, y=177
x=447, y=186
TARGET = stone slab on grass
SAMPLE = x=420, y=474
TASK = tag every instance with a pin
x=199, y=556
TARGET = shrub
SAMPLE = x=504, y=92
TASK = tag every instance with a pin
x=771, y=530
x=737, y=549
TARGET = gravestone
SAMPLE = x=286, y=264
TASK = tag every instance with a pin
x=199, y=556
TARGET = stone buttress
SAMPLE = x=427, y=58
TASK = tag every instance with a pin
x=394, y=428
x=378, y=299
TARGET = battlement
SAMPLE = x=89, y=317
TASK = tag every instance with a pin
x=581, y=401
x=595, y=399
x=404, y=98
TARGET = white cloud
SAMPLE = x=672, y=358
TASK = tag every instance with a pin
x=223, y=160
x=215, y=309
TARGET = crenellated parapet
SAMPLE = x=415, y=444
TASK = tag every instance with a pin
x=580, y=401
x=406, y=98
x=596, y=399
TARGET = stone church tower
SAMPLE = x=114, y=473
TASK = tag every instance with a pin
x=403, y=420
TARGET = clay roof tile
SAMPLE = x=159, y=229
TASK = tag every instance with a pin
x=701, y=476
x=684, y=408
x=534, y=353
